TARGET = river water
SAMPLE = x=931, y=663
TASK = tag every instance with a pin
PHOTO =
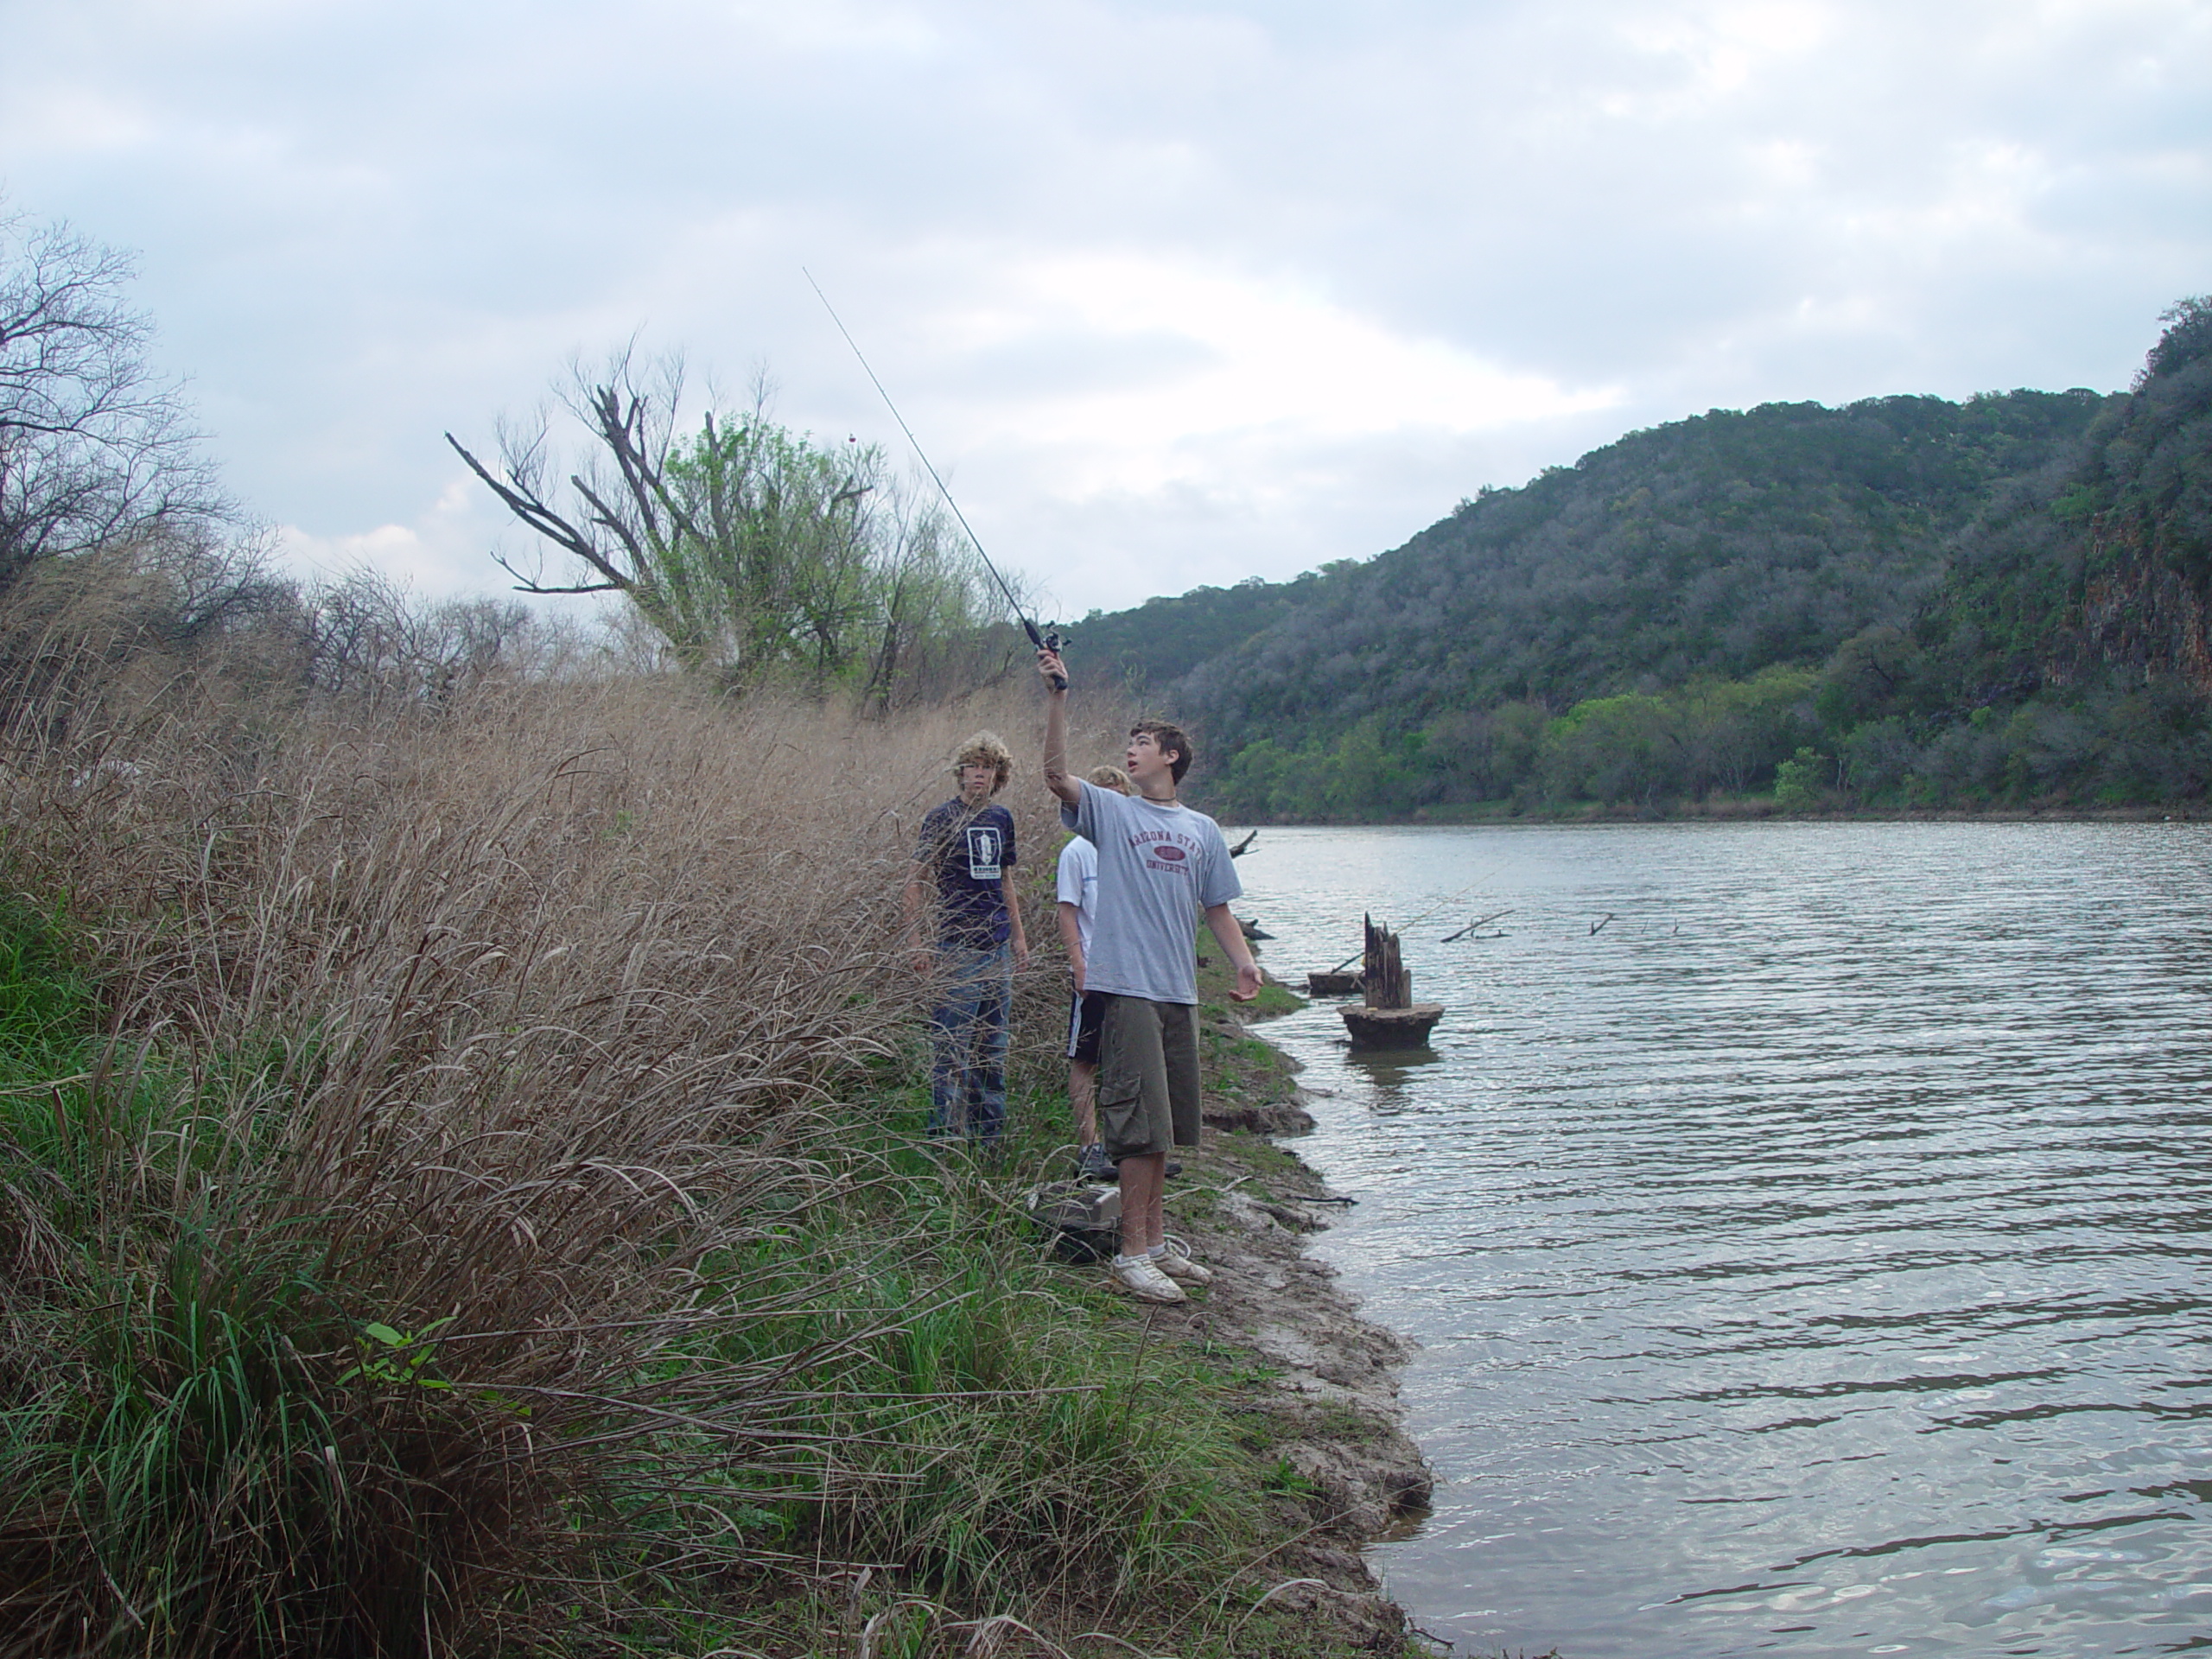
x=1809, y=1260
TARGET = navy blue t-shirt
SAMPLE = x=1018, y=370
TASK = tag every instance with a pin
x=969, y=854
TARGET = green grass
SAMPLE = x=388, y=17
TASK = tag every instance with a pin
x=46, y=1008
x=1027, y=1446
x=204, y=1449
x=180, y=1469
x=1018, y=1426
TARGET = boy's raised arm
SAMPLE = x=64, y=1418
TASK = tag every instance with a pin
x=1050, y=668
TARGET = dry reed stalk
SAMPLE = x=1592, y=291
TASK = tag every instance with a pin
x=501, y=1031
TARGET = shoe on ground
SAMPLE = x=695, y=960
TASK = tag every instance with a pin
x=1182, y=1270
x=1092, y=1163
x=1175, y=1261
x=1143, y=1280
x=1173, y=1168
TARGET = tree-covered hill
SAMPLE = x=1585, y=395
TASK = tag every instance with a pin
x=2104, y=568
x=1150, y=648
x=1903, y=601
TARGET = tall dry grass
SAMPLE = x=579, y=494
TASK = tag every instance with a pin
x=377, y=1223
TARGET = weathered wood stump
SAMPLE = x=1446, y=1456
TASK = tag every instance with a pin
x=1324, y=982
x=1407, y=1028
x=1389, y=1018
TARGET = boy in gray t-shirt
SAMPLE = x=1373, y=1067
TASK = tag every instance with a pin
x=1160, y=864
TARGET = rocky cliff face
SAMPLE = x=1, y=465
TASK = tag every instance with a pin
x=2149, y=477
x=2143, y=619
x=2103, y=571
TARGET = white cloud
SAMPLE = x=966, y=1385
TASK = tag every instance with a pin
x=837, y=27
x=1259, y=285
x=396, y=550
x=1726, y=49
x=81, y=119
x=442, y=554
x=1264, y=354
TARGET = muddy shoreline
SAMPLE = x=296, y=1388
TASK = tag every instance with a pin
x=1325, y=1404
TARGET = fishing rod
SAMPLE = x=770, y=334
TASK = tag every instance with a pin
x=1042, y=641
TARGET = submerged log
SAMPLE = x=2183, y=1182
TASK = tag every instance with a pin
x=1324, y=982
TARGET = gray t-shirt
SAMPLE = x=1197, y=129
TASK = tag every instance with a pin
x=1158, y=865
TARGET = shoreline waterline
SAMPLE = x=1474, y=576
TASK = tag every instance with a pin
x=1330, y=1373
x=1750, y=810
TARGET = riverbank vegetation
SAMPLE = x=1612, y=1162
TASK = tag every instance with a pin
x=461, y=1187
x=1904, y=604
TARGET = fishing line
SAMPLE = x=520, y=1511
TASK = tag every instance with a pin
x=1450, y=899
x=1039, y=640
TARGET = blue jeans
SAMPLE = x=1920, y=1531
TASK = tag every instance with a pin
x=968, y=1035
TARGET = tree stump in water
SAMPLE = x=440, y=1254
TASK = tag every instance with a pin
x=1390, y=1017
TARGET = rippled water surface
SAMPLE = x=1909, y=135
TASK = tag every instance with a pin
x=1810, y=1259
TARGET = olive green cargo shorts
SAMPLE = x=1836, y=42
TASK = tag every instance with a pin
x=1147, y=1077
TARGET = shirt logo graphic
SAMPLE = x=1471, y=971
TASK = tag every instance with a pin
x=1173, y=854
x=983, y=853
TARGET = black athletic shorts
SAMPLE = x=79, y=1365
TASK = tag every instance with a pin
x=1086, y=1013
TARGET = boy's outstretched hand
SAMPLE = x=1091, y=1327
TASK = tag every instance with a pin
x=1248, y=982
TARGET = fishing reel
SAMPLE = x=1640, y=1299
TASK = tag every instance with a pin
x=1050, y=641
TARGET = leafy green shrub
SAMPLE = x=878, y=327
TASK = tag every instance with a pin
x=1800, y=783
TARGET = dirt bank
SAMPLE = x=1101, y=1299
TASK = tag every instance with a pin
x=1322, y=1382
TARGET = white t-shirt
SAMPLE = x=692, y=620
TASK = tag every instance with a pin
x=1158, y=865
x=1078, y=885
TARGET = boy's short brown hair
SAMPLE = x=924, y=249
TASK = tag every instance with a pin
x=1111, y=777
x=987, y=749
x=1168, y=736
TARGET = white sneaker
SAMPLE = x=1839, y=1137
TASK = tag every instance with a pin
x=1175, y=1261
x=1143, y=1280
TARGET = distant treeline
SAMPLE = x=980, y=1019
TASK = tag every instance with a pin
x=1786, y=732
x=1904, y=602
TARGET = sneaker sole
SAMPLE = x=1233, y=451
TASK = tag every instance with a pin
x=1153, y=1297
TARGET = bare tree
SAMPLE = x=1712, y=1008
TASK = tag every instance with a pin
x=95, y=446
x=737, y=544
x=751, y=550
x=623, y=519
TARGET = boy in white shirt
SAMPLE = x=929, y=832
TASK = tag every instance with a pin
x=1079, y=904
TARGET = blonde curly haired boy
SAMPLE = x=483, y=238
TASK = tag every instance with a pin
x=963, y=919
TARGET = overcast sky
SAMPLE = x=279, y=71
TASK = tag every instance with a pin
x=1174, y=293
